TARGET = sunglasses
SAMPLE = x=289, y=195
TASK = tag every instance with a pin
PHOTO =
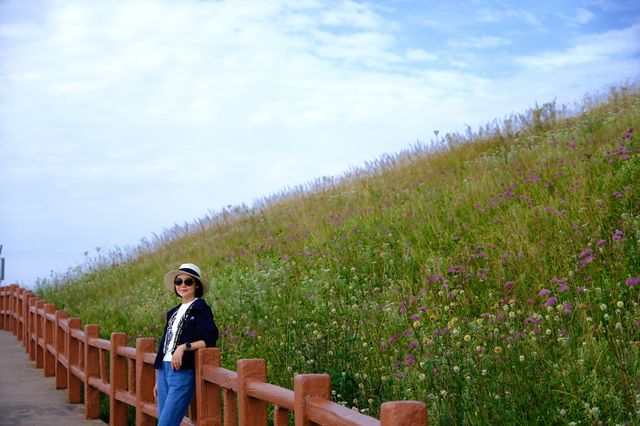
x=188, y=282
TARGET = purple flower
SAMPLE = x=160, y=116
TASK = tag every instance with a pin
x=580, y=289
x=410, y=359
x=632, y=281
x=423, y=309
x=407, y=332
x=544, y=292
x=413, y=345
x=567, y=311
x=617, y=236
x=551, y=301
x=601, y=243
x=617, y=194
x=508, y=284
x=415, y=317
x=251, y=333
x=563, y=288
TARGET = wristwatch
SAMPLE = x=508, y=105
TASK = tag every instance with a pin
x=188, y=345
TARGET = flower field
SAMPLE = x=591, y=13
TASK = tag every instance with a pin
x=493, y=275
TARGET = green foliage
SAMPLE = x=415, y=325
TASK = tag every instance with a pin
x=491, y=275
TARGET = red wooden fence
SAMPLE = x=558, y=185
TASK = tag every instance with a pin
x=81, y=360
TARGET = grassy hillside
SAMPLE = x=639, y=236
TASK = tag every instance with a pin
x=495, y=276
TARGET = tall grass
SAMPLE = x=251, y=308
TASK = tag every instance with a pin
x=493, y=275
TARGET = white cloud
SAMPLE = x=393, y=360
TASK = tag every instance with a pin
x=479, y=42
x=419, y=55
x=599, y=47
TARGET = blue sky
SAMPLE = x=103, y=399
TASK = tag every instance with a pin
x=119, y=119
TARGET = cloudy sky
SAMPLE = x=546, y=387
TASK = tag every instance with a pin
x=119, y=119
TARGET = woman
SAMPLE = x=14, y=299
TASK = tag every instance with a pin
x=190, y=326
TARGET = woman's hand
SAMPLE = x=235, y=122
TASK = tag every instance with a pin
x=176, y=359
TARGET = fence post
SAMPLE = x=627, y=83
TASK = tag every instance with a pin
x=251, y=411
x=13, y=309
x=207, y=393
x=403, y=413
x=145, y=380
x=2, y=308
x=32, y=330
x=91, y=369
x=74, y=384
x=118, y=380
x=26, y=335
x=306, y=385
x=19, y=309
x=60, y=343
x=39, y=334
x=49, y=358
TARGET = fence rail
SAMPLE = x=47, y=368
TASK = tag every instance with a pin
x=84, y=363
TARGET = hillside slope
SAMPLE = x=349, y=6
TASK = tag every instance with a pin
x=495, y=278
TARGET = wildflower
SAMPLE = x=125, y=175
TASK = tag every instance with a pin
x=632, y=282
x=521, y=358
x=544, y=292
x=617, y=194
x=410, y=359
x=497, y=349
x=620, y=304
x=580, y=290
x=413, y=345
x=466, y=337
x=407, y=332
x=422, y=376
x=600, y=243
x=603, y=307
x=618, y=236
x=551, y=301
x=508, y=284
x=456, y=369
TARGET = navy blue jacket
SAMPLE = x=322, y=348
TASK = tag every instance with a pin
x=199, y=325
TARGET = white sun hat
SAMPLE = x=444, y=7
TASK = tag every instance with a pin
x=189, y=269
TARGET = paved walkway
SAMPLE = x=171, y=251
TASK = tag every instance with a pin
x=27, y=398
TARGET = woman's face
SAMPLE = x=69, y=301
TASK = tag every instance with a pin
x=187, y=292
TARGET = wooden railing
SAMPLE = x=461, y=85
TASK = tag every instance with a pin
x=81, y=361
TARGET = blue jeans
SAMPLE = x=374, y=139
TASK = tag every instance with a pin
x=175, y=390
